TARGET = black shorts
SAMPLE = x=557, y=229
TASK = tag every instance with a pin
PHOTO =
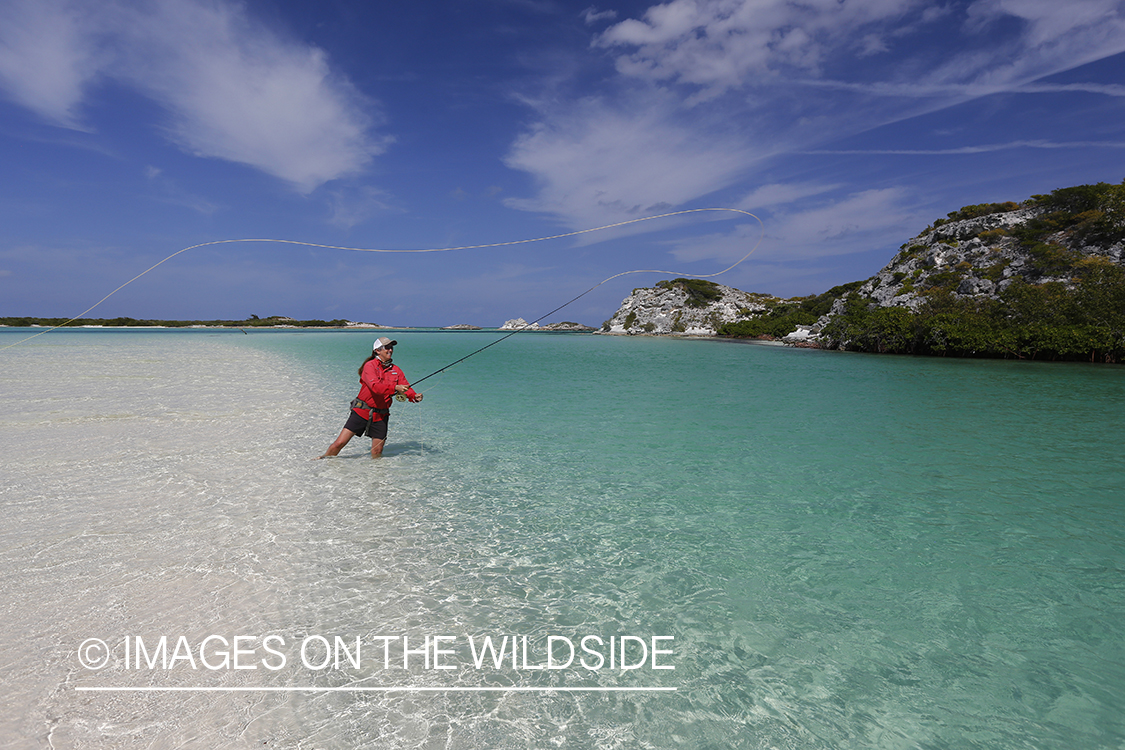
x=358, y=425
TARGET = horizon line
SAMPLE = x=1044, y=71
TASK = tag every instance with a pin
x=357, y=689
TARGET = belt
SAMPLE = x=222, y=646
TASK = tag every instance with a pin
x=361, y=404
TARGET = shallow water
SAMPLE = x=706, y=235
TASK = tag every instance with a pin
x=849, y=551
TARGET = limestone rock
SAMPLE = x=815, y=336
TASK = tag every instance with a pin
x=684, y=306
x=972, y=258
x=519, y=324
x=969, y=258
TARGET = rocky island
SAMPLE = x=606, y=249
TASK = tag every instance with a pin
x=519, y=324
x=693, y=307
x=1041, y=279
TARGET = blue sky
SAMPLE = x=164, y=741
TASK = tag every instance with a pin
x=131, y=129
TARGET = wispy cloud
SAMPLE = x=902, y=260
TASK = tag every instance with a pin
x=353, y=206
x=602, y=161
x=167, y=191
x=925, y=90
x=771, y=195
x=234, y=90
x=720, y=45
x=843, y=226
x=592, y=15
x=48, y=55
x=824, y=228
x=983, y=149
x=707, y=91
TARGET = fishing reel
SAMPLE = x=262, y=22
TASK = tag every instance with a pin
x=401, y=397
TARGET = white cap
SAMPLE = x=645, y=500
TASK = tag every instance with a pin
x=383, y=342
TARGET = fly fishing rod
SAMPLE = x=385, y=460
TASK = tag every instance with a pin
x=611, y=278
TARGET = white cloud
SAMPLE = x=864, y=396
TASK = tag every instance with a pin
x=872, y=44
x=721, y=45
x=708, y=89
x=1053, y=37
x=592, y=15
x=978, y=149
x=167, y=191
x=47, y=57
x=240, y=93
x=234, y=90
x=727, y=44
x=351, y=207
x=960, y=91
x=777, y=195
x=934, y=12
x=843, y=226
x=1046, y=21
x=600, y=163
x=1108, y=89
x=662, y=24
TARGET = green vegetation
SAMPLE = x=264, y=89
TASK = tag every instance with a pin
x=1091, y=214
x=995, y=272
x=992, y=235
x=972, y=212
x=1029, y=321
x=1066, y=306
x=700, y=292
x=1051, y=259
x=982, y=209
x=784, y=316
x=942, y=281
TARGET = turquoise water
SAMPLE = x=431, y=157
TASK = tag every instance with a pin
x=849, y=551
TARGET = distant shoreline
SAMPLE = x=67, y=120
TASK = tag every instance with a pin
x=234, y=327
x=276, y=321
x=271, y=323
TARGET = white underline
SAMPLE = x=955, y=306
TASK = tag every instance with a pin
x=387, y=689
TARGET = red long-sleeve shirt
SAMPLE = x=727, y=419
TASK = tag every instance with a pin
x=376, y=387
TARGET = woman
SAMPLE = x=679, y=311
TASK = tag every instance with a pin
x=379, y=379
